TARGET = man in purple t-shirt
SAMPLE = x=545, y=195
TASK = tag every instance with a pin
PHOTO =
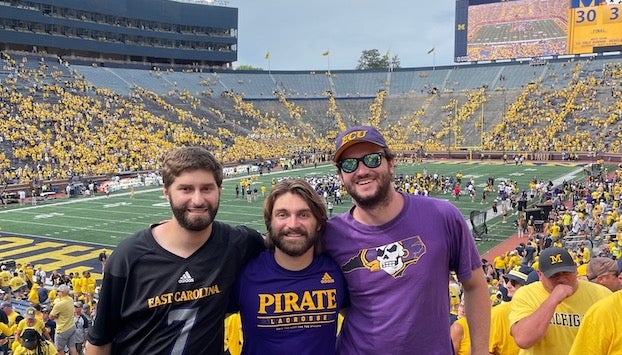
x=289, y=297
x=396, y=251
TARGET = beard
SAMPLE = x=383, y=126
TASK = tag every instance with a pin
x=379, y=197
x=195, y=224
x=293, y=248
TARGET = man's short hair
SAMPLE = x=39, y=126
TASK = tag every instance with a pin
x=179, y=160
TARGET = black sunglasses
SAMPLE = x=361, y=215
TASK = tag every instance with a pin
x=371, y=160
x=514, y=283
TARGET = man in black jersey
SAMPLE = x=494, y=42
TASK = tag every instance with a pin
x=165, y=289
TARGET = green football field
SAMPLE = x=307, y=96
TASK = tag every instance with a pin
x=105, y=221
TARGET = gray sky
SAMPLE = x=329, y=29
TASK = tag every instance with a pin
x=296, y=33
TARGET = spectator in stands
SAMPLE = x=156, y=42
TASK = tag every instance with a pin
x=19, y=287
x=545, y=315
x=50, y=324
x=5, y=279
x=387, y=232
x=82, y=327
x=34, y=344
x=600, y=331
x=10, y=313
x=604, y=271
x=62, y=313
x=191, y=254
x=31, y=321
x=56, y=278
x=501, y=342
x=460, y=335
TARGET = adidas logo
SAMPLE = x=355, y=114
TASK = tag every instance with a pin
x=185, y=278
x=326, y=279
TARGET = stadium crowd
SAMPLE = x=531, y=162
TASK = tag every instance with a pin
x=29, y=295
x=64, y=127
x=55, y=125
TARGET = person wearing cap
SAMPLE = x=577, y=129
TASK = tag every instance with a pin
x=18, y=284
x=604, y=271
x=601, y=328
x=62, y=313
x=82, y=326
x=545, y=315
x=31, y=321
x=396, y=250
x=33, y=344
x=501, y=342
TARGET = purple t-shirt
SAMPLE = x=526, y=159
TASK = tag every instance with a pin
x=287, y=312
x=397, y=275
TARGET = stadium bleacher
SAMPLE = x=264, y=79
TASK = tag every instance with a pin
x=440, y=106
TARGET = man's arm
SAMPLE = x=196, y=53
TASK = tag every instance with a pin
x=477, y=309
x=531, y=329
x=457, y=335
x=97, y=350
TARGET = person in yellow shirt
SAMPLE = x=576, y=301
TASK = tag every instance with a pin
x=5, y=279
x=555, y=231
x=33, y=294
x=18, y=285
x=76, y=285
x=33, y=344
x=62, y=313
x=30, y=321
x=29, y=271
x=600, y=331
x=501, y=342
x=499, y=264
x=515, y=260
x=545, y=316
x=87, y=286
x=460, y=335
x=5, y=333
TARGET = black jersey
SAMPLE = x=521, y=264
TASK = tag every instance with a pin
x=154, y=302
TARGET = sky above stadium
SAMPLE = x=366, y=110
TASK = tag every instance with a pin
x=297, y=33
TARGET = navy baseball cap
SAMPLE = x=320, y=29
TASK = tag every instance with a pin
x=554, y=260
x=357, y=134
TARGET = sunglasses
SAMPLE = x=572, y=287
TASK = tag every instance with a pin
x=371, y=160
x=514, y=283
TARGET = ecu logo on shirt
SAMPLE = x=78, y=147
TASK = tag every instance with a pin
x=392, y=258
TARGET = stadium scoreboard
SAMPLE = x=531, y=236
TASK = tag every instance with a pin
x=594, y=26
x=510, y=29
